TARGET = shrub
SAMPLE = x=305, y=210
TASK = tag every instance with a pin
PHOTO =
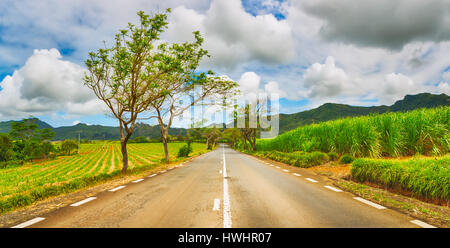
x=333, y=156
x=346, y=159
x=184, y=151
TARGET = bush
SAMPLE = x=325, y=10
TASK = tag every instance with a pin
x=333, y=156
x=184, y=151
x=346, y=159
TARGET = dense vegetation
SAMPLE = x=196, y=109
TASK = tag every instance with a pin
x=423, y=131
x=427, y=178
x=332, y=111
x=298, y=159
x=20, y=186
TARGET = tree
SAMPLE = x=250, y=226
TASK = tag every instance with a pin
x=232, y=135
x=31, y=142
x=123, y=76
x=182, y=83
x=69, y=145
x=212, y=135
x=6, y=145
x=250, y=114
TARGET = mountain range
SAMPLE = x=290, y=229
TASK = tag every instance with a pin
x=326, y=112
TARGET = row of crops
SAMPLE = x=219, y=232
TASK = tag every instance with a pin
x=423, y=131
x=20, y=186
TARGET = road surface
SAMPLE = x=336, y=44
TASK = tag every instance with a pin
x=225, y=188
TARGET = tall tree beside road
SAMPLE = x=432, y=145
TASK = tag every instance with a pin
x=124, y=76
x=183, y=87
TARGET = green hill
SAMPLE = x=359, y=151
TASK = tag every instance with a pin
x=326, y=112
x=332, y=111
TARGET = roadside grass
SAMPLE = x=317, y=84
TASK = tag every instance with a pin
x=96, y=163
x=298, y=159
x=426, y=178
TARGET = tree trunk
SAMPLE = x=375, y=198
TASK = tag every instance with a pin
x=123, y=144
x=164, y=134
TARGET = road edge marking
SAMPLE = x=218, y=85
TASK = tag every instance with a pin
x=76, y=204
x=29, y=223
x=422, y=224
x=117, y=188
x=372, y=204
x=311, y=180
x=332, y=188
x=139, y=180
x=296, y=174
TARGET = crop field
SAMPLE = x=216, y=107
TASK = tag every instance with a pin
x=422, y=131
x=427, y=178
x=20, y=186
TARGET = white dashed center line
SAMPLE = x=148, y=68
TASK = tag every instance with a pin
x=369, y=203
x=29, y=223
x=216, y=204
x=118, y=188
x=83, y=201
x=296, y=174
x=226, y=197
x=286, y=170
x=278, y=167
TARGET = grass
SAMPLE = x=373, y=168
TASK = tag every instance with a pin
x=298, y=159
x=21, y=186
x=422, y=131
x=427, y=178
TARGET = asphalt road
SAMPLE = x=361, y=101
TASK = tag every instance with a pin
x=225, y=188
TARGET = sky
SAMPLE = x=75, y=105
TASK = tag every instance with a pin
x=310, y=52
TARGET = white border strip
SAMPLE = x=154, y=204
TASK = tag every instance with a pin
x=422, y=224
x=369, y=203
x=83, y=201
x=311, y=180
x=29, y=223
x=117, y=188
x=296, y=174
x=333, y=188
x=152, y=175
x=139, y=180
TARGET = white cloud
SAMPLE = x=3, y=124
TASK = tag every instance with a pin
x=233, y=36
x=446, y=75
x=44, y=84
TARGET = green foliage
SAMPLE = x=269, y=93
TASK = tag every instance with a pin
x=423, y=177
x=67, y=146
x=422, y=131
x=299, y=159
x=140, y=139
x=346, y=159
x=184, y=151
x=333, y=156
x=6, y=145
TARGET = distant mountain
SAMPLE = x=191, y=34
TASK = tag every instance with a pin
x=332, y=111
x=5, y=126
x=97, y=132
x=326, y=112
